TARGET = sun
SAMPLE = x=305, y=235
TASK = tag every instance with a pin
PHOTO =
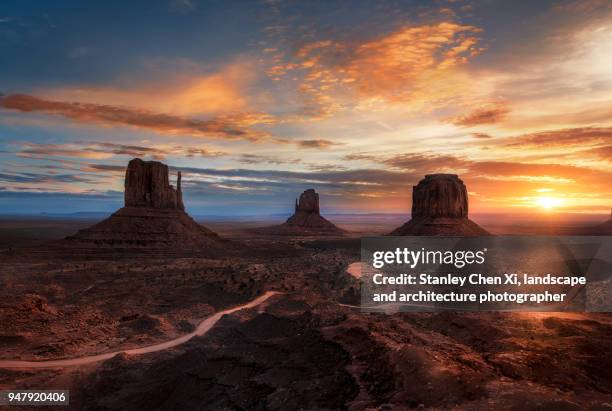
x=549, y=202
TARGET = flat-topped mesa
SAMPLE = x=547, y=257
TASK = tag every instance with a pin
x=440, y=208
x=147, y=185
x=309, y=202
x=440, y=195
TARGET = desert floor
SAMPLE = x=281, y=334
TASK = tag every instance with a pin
x=303, y=348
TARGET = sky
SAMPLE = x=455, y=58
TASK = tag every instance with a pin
x=256, y=101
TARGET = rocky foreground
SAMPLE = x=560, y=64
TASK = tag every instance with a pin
x=306, y=348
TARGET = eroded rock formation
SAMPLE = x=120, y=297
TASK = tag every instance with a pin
x=306, y=220
x=153, y=217
x=440, y=195
x=147, y=185
x=439, y=208
x=308, y=203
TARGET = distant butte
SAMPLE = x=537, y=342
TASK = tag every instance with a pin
x=604, y=228
x=306, y=220
x=440, y=208
x=153, y=217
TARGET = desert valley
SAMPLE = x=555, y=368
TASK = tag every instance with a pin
x=306, y=205
x=150, y=310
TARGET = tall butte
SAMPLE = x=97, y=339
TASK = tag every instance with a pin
x=147, y=185
x=153, y=217
x=440, y=208
x=306, y=220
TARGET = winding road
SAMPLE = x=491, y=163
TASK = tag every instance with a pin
x=201, y=329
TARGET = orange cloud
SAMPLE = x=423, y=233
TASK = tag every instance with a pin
x=32, y=150
x=219, y=93
x=318, y=143
x=603, y=152
x=392, y=66
x=481, y=135
x=484, y=115
x=418, y=162
x=581, y=137
x=515, y=169
x=227, y=127
x=406, y=65
x=503, y=181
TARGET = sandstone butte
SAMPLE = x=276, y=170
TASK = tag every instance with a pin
x=153, y=217
x=440, y=208
x=306, y=220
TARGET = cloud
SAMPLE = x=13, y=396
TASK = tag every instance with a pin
x=201, y=152
x=226, y=127
x=603, y=152
x=425, y=162
x=407, y=65
x=103, y=150
x=127, y=150
x=514, y=169
x=573, y=178
x=579, y=137
x=490, y=173
x=33, y=150
x=481, y=135
x=326, y=167
x=104, y=167
x=392, y=65
x=184, y=91
x=37, y=178
x=317, y=143
x=336, y=178
x=494, y=181
x=484, y=115
x=418, y=162
x=260, y=159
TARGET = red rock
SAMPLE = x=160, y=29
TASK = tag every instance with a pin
x=309, y=202
x=153, y=218
x=440, y=195
x=440, y=208
x=147, y=185
x=306, y=220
